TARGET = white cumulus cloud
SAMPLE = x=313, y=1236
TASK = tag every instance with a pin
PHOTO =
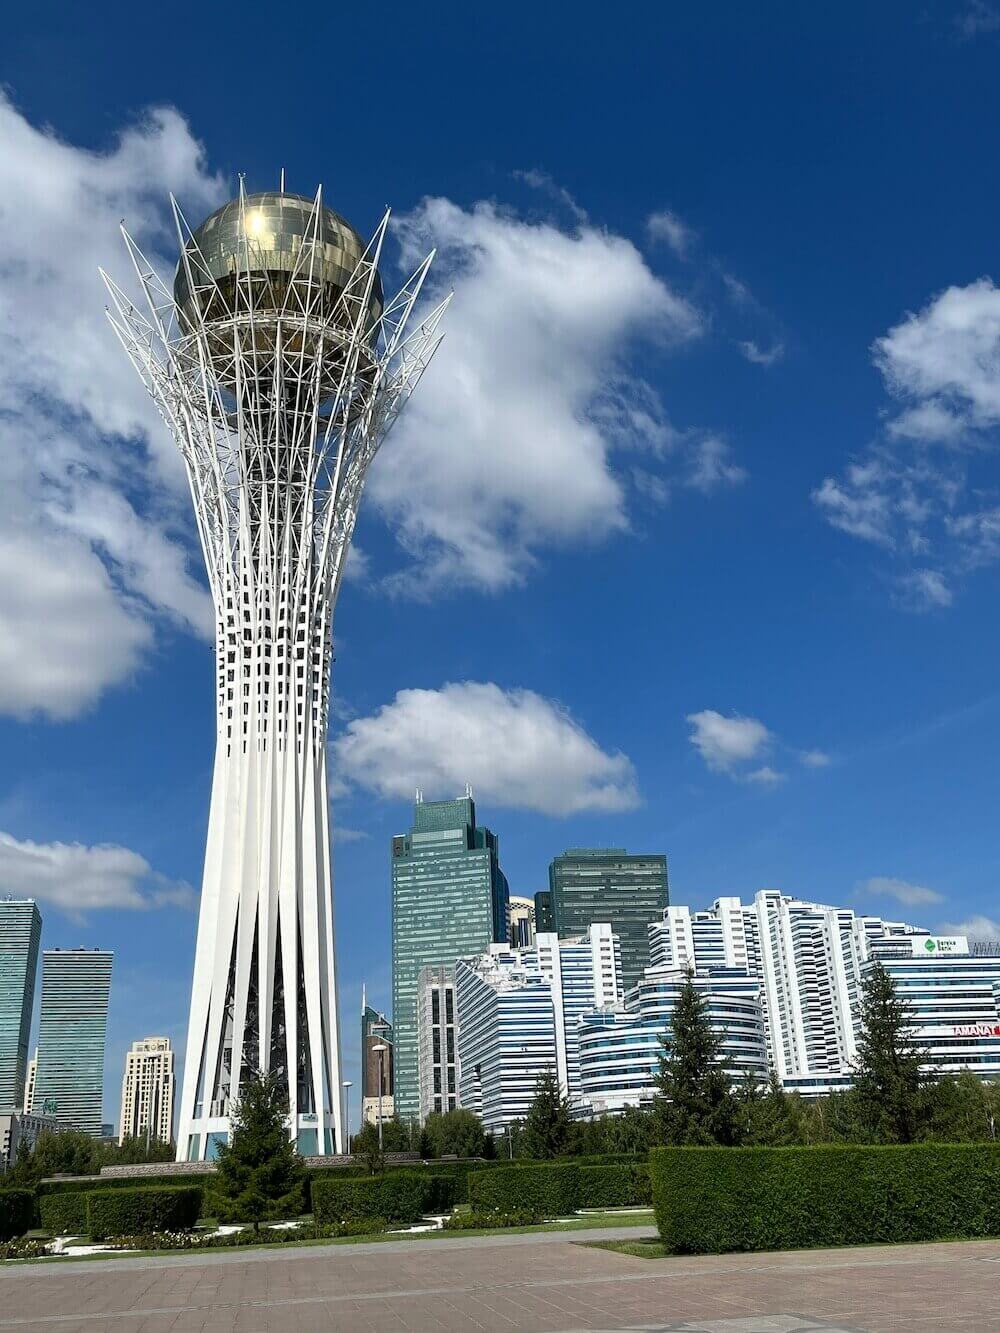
x=739, y=747
x=510, y=443
x=910, y=895
x=93, y=515
x=78, y=879
x=924, y=490
x=515, y=747
x=974, y=927
x=727, y=742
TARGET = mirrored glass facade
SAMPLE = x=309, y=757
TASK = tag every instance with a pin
x=449, y=901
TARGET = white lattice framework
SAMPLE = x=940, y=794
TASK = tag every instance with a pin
x=278, y=399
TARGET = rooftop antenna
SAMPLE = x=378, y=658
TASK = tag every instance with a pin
x=468, y=790
x=282, y=180
x=364, y=1003
x=420, y=797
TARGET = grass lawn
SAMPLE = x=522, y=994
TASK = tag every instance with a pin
x=640, y=1249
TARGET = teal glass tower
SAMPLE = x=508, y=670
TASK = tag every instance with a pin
x=607, y=884
x=20, y=934
x=449, y=901
x=69, y=1082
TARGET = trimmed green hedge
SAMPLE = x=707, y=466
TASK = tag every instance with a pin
x=85, y=1184
x=64, y=1214
x=712, y=1200
x=127, y=1212
x=549, y=1190
x=554, y=1189
x=618, y=1185
x=399, y=1197
x=17, y=1212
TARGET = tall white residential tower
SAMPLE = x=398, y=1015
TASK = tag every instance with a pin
x=278, y=366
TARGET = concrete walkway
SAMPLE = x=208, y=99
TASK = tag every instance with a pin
x=541, y=1282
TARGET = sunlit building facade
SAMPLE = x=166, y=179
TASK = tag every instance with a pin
x=20, y=936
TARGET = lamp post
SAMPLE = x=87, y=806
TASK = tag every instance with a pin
x=347, y=1116
x=380, y=1049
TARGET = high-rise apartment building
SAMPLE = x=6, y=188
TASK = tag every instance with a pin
x=376, y=1065
x=449, y=901
x=507, y=1036
x=620, y=1049
x=69, y=1082
x=609, y=884
x=437, y=1040
x=809, y=961
x=148, y=1091
x=519, y=1013
x=20, y=933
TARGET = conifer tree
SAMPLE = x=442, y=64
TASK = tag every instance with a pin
x=886, y=1091
x=695, y=1103
x=259, y=1171
x=548, y=1128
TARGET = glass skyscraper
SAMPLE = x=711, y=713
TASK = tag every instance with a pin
x=607, y=884
x=449, y=901
x=20, y=933
x=69, y=1083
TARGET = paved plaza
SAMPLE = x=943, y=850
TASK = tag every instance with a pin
x=530, y=1282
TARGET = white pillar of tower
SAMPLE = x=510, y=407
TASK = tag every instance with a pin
x=279, y=367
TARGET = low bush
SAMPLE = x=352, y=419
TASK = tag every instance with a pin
x=64, y=1214
x=615, y=1185
x=712, y=1200
x=194, y=1240
x=17, y=1212
x=128, y=1212
x=487, y=1221
x=551, y=1191
x=399, y=1197
x=22, y=1248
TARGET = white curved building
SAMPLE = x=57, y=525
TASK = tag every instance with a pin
x=620, y=1049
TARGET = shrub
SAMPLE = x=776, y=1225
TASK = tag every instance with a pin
x=23, y=1248
x=193, y=1240
x=616, y=1185
x=126, y=1212
x=487, y=1221
x=548, y=1190
x=711, y=1200
x=65, y=1213
x=17, y=1212
x=401, y=1197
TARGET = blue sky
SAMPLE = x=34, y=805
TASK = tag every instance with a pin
x=689, y=540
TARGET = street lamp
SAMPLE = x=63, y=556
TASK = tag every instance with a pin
x=380, y=1049
x=347, y=1114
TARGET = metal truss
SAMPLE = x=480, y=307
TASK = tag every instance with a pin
x=278, y=399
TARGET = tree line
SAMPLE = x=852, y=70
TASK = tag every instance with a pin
x=698, y=1101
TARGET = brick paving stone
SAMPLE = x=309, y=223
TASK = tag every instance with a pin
x=508, y=1284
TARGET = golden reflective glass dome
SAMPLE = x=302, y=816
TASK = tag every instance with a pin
x=278, y=228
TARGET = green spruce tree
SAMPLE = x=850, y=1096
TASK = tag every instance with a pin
x=260, y=1173
x=695, y=1102
x=548, y=1129
x=886, y=1094
x=772, y=1117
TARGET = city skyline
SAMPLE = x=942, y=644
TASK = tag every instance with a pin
x=688, y=545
